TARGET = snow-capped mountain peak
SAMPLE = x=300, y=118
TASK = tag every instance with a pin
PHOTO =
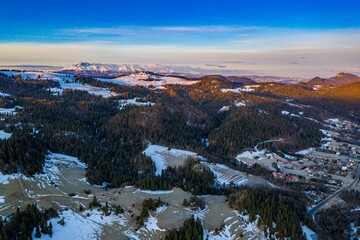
x=85, y=67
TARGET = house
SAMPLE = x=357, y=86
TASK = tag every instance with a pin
x=279, y=175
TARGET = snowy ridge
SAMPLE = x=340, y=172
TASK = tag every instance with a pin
x=147, y=79
x=65, y=81
x=103, y=68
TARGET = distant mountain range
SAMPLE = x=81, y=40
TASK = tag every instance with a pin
x=85, y=67
x=115, y=70
x=339, y=79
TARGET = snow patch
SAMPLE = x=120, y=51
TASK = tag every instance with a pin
x=9, y=111
x=79, y=226
x=4, y=135
x=147, y=79
x=240, y=103
x=157, y=192
x=306, y=151
x=4, y=94
x=5, y=178
x=52, y=171
x=250, y=154
x=156, y=153
x=247, y=88
x=224, y=109
x=66, y=81
x=134, y=101
x=310, y=234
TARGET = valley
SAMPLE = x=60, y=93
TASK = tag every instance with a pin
x=99, y=150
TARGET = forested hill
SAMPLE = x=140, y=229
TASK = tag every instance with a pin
x=110, y=138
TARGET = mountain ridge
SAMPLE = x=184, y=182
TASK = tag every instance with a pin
x=339, y=79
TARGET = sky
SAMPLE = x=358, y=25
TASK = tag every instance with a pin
x=265, y=37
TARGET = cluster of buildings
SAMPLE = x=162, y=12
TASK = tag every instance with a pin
x=342, y=124
x=333, y=163
x=286, y=177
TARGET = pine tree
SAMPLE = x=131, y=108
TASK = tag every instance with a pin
x=37, y=234
x=50, y=229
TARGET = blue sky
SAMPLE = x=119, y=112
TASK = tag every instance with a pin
x=266, y=37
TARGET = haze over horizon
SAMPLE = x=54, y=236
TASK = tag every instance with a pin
x=293, y=38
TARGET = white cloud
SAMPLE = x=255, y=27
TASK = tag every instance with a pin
x=205, y=28
x=136, y=29
x=282, y=39
x=311, y=62
x=259, y=50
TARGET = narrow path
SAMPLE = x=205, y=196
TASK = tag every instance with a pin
x=22, y=188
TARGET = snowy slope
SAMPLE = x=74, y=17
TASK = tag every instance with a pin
x=156, y=153
x=247, y=88
x=79, y=226
x=226, y=175
x=65, y=81
x=9, y=111
x=147, y=79
x=4, y=135
x=103, y=68
x=134, y=101
x=51, y=169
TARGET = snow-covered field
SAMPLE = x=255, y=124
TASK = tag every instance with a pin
x=157, y=192
x=247, y=88
x=65, y=81
x=250, y=227
x=134, y=101
x=160, y=156
x=51, y=170
x=225, y=175
x=251, y=155
x=6, y=178
x=79, y=226
x=152, y=222
x=9, y=111
x=225, y=233
x=147, y=79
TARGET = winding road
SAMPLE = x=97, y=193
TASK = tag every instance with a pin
x=313, y=211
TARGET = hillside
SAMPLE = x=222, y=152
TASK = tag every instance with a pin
x=338, y=80
x=143, y=134
x=241, y=80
